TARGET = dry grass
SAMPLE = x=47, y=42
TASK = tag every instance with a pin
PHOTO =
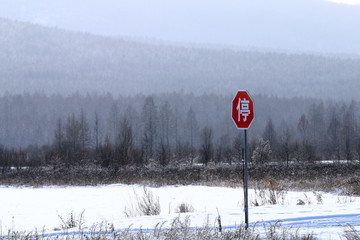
x=277, y=231
x=148, y=204
x=145, y=205
x=351, y=233
x=310, y=177
x=176, y=229
x=72, y=221
x=270, y=192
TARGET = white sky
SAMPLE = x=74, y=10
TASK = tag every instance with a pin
x=351, y=2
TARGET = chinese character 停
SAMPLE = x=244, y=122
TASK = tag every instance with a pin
x=243, y=109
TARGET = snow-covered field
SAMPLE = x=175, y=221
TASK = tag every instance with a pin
x=24, y=209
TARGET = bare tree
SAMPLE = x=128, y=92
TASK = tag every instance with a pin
x=317, y=126
x=270, y=134
x=106, y=152
x=262, y=152
x=59, y=135
x=348, y=132
x=285, y=145
x=237, y=147
x=133, y=117
x=97, y=130
x=206, y=145
x=303, y=127
x=84, y=131
x=191, y=132
x=223, y=150
x=333, y=133
x=73, y=143
x=125, y=143
x=149, y=117
x=113, y=122
x=72, y=132
x=166, y=117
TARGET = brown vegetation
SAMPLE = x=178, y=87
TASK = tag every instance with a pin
x=314, y=177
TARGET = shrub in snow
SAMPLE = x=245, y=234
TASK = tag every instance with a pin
x=184, y=208
x=319, y=198
x=72, y=221
x=269, y=192
x=149, y=205
x=146, y=205
x=262, y=152
x=300, y=202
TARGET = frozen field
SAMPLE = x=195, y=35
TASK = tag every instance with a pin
x=24, y=209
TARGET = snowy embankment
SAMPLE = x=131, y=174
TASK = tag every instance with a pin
x=24, y=209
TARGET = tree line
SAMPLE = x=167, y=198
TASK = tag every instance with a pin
x=171, y=129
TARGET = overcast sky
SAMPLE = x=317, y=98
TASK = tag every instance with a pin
x=304, y=25
x=350, y=2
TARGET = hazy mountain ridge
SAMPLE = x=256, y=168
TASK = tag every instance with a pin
x=35, y=58
x=303, y=25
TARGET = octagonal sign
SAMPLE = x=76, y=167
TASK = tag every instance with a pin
x=242, y=110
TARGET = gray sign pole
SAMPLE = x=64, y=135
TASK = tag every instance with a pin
x=246, y=184
x=242, y=112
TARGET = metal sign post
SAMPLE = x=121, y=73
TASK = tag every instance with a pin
x=243, y=114
x=246, y=183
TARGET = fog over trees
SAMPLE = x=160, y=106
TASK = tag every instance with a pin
x=40, y=59
x=71, y=99
x=175, y=128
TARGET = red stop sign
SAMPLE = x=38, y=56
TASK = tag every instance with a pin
x=242, y=110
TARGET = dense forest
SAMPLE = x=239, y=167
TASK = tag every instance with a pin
x=73, y=99
x=177, y=128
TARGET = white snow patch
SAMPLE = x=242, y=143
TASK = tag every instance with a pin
x=24, y=208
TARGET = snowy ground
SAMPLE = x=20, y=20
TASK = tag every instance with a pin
x=23, y=209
